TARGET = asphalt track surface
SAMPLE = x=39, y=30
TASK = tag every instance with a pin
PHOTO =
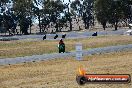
x=70, y=35
x=17, y=60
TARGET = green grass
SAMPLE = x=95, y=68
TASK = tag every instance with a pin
x=27, y=48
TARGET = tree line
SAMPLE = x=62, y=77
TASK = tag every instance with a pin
x=23, y=13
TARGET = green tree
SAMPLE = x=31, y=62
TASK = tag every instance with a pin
x=112, y=11
x=3, y=2
x=76, y=7
x=88, y=14
x=24, y=10
x=85, y=10
x=102, y=8
x=127, y=10
x=68, y=18
x=45, y=22
x=53, y=8
x=38, y=13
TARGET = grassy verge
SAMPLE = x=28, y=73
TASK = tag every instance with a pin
x=26, y=48
x=61, y=73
